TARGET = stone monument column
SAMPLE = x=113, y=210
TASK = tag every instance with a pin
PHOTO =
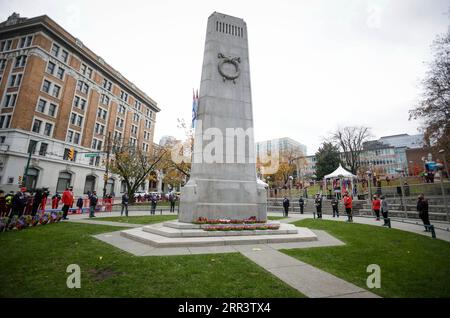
x=223, y=181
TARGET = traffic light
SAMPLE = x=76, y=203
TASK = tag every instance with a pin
x=71, y=154
x=105, y=177
x=20, y=180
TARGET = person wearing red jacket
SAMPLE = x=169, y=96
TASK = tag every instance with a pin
x=376, y=205
x=67, y=201
x=348, y=206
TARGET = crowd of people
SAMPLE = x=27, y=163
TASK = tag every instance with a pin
x=380, y=207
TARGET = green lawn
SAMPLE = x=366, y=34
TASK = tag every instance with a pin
x=141, y=219
x=411, y=265
x=34, y=263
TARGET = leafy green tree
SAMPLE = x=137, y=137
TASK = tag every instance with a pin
x=434, y=105
x=327, y=159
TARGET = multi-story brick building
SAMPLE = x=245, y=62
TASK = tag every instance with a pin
x=56, y=94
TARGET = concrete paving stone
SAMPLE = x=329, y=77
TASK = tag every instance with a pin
x=212, y=249
x=364, y=294
x=314, y=282
x=167, y=251
x=269, y=259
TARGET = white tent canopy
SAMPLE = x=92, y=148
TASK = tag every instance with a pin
x=340, y=173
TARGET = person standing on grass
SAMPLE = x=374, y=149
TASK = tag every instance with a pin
x=154, y=202
x=376, y=205
x=92, y=204
x=348, y=206
x=422, y=208
x=2, y=203
x=286, y=206
x=125, y=201
x=67, y=200
x=301, y=203
x=80, y=204
x=384, y=209
x=318, y=203
x=335, y=206
x=172, y=199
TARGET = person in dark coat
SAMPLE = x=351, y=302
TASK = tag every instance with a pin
x=80, y=204
x=18, y=204
x=125, y=201
x=2, y=203
x=318, y=204
x=92, y=204
x=286, y=206
x=37, y=200
x=422, y=208
x=301, y=203
x=335, y=206
x=154, y=202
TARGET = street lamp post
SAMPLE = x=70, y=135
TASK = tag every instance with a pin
x=440, y=167
x=402, y=191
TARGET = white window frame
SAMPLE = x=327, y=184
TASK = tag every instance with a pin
x=5, y=121
x=17, y=80
x=79, y=102
x=42, y=127
x=28, y=41
x=47, y=107
x=4, y=105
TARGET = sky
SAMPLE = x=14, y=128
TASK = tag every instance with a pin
x=316, y=65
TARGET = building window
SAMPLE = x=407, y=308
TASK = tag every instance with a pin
x=107, y=84
x=42, y=104
x=105, y=99
x=43, y=149
x=25, y=41
x=122, y=109
x=133, y=142
x=20, y=61
x=124, y=96
x=69, y=136
x=136, y=117
x=15, y=80
x=99, y=129
x=79, y=102
x=56, y=90
x=119, y=123
x=32, y=147
x=101, y=113
x=51, y=67
x=2, y=64
x=64, y=180
x=37, y=126
x=60, y=73
x=46, y=86
x=85, y=70
x=97, y=144
x=137, y=105
x=117, y=136
x=48, y=129
x=76, y=120
x=10, y=100
x=133, y=129
x=148, y=124
x=55, y=50
x=5, y=120
x=52, y=110
x=5, y=45
x=76, y=138
x=83, y=87
x=64, y=56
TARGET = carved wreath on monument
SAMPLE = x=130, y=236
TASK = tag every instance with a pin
x=229, y=60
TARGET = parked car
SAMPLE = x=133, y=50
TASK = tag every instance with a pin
x=140, y=193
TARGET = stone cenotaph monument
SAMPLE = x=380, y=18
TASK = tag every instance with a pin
x=223, y=182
